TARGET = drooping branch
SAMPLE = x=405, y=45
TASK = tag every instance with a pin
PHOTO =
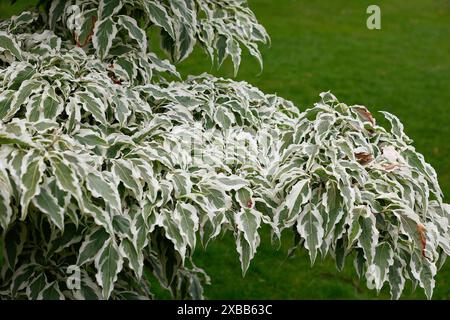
x=107, y=167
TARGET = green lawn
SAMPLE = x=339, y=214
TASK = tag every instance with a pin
x=403, y=68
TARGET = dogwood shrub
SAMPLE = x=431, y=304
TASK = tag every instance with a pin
x=113, y=165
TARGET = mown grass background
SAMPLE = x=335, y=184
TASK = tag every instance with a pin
x=404, y=68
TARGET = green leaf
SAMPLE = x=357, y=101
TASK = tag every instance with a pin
x=424, y=272
x=104, y=33
x=13, y=243
x=71, y=235
x=6, y=191
x=377, y=273
x=94, y=106
x=22, y=277
x=181, y=183
x=32, y=172
x=23, y=140
x=135, y=258
x=89, y=289
x=108, y=8
x=299, y=195
x=185, y=42
x=51, y=106
x=335, y=212
x=396, y=126
x=173, y=232
x=23, y=74
x=22, y=95
x=37, y=286
x=51, y=292
x=7, y=42
x=65, y=176
x=235, y=51
x=225, y=182
x=87, y=27
x=126, y=173
x=248, y=222
x=48, y=204
x=55, y=12
x=221, y=49
x=224, y=118
x=100, y=215
x=92, y=245
x=6, y=98
x=134, y=31
x=157, y=13
x=310, y=227
x=90, y=138
x=122, y=111
x=101, y=188
x=108, y=263
x=244, y=197
x=23, y=19
x=195, y=288
x=187, y=218
x=368, y=238
x=396, y=278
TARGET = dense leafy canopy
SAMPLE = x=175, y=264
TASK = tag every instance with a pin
x=108, y=165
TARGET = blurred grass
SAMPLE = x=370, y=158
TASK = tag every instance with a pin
x=404, y=68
